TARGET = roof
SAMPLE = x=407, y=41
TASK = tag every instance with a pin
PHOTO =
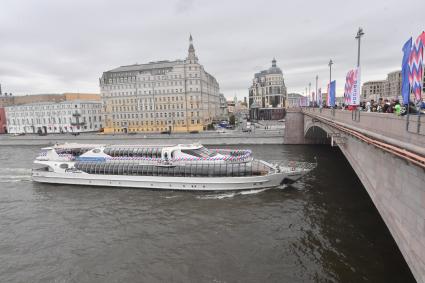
x=49, y=103
x=294, y=95
x=147, y=66
x=375, y=82
x=272, y=70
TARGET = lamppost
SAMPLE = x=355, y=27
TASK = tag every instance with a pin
x=317, y=79
x=359, y=35
x=309, y=90
x=330, y=70
x=330, y=77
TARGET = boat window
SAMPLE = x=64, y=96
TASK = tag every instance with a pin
x=200, y=152
x=64, y=166
x=96, y=150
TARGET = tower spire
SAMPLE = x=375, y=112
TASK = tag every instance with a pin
x=191, y=48
x=274, y=62
x=191, y=52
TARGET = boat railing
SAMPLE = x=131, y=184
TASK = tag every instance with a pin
x=235, y=159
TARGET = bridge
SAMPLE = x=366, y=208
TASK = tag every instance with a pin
x=387, y=152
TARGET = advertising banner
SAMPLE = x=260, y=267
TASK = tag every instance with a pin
x=352, y=87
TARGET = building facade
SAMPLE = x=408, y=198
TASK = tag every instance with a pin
x=224, y=111
x=176, y=96
x=387, y=89
x=268, y=92
x=393, y=85
x=37, y=98
x=71, y=96
x=373, y=89
x=9, y=100
x=3, y=123
x=231, y=104
x=50, y=117
x=292, y=100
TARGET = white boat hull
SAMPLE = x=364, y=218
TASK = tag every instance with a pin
x=161, y=182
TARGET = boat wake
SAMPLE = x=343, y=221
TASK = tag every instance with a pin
x=231, y=194
x=12, y=175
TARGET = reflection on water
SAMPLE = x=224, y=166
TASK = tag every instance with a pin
x=323, y=228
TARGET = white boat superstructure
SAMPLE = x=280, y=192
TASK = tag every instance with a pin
x=177, y=167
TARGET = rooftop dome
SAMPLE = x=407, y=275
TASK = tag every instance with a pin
x=274, y=69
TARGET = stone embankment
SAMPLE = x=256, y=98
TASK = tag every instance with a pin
x=206, y=138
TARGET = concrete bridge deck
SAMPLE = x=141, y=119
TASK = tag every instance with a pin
x=387, y=152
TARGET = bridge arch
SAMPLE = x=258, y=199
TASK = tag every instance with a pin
x=316, y=131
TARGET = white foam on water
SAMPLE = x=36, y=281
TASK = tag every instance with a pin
x=217, y=196
x=252, y=192
x=241, y=193
x=13, y=175
x=24, y=171
x=14, y=180
x=170, y=197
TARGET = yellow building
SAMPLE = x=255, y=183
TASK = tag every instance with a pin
x=70, y=96
x=176, y=96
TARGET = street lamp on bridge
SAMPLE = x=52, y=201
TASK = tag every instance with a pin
x=359, y=35
x=330, y=70
x=317, y=78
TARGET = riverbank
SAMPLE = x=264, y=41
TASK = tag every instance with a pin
x=206, y=138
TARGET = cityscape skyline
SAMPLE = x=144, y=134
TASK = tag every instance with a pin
x=72, y=54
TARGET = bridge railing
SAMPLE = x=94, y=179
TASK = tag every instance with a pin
x=408, y=129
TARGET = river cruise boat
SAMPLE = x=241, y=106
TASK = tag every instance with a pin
x=179, y=167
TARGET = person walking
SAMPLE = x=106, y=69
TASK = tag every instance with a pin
x=397, y=108
x=368, y=106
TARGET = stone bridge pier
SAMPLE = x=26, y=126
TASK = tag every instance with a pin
x=388, y=155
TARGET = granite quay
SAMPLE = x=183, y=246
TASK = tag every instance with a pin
x=260, y=136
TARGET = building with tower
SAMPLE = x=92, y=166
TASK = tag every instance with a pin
x=267, y=94
x=175, y=96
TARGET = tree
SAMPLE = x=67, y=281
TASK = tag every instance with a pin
x=232, y=119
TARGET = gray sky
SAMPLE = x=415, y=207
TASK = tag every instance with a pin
x=52, y=46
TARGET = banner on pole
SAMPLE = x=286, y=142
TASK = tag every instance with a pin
x=416, y=66
x=405, y=72
x=330, y=99
x=319, y=97
x=303, y=101
x=352, y=87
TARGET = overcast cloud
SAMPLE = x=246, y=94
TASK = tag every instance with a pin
x=52, y=46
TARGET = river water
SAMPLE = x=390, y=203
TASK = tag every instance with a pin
x=322, y=229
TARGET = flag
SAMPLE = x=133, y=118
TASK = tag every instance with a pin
x=416, y=66
x=348, y=88
x=319, y=97
x=328, y=101
x=302, y=101
x=331, y=94
x=405, y=71
x=352, y=87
